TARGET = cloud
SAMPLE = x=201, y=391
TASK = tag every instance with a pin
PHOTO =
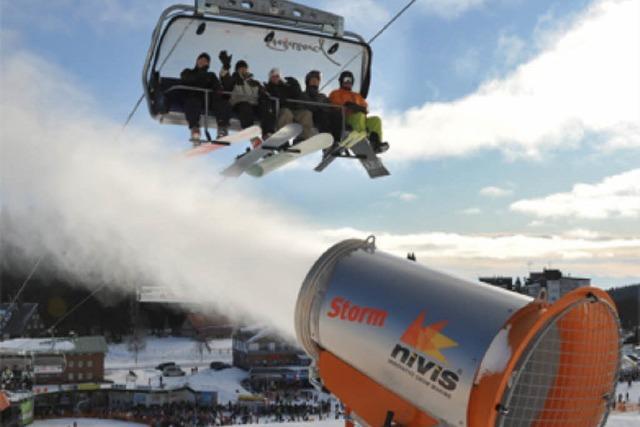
x=132, y=211
x=616, y=196
x=492, y=191
x=101, y=15
x=404, y=196
x=581, y=233
x=584, y=83
x=450, y=9
x=470, y=211
x=471, y=255
x=467, y=64
x=510, y=49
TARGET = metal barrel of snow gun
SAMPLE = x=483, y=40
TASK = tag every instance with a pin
x=401, y=343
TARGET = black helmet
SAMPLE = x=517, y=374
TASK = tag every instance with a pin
x=344, y=75
x=241, y=64
x=312, y=74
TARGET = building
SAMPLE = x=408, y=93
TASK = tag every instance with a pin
x=258, y=347
x=211, y=326
x=264, y=379
x=56, y=360
x=556, y=284
x=627, y=301
x=499, y=281
x=20, y=320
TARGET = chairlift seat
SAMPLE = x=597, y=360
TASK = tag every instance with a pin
x=296, y=38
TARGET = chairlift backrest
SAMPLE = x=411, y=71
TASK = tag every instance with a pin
x=270, y=33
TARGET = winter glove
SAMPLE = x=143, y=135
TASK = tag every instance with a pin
x=295, y=91
x=355, y=107
x=225, y=58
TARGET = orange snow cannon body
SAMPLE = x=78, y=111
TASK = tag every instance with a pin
x=401, y=344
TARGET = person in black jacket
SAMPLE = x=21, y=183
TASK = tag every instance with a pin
x=327, y=119
x=193, y=104
x=248, y=98
x=286, y=91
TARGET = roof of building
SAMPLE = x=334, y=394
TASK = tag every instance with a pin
x=91, y=344
x=19, y=317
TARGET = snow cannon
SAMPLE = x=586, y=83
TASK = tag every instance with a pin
x=399, y=343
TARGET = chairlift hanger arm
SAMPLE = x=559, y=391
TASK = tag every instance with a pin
x=285, y=11
x=155, y=39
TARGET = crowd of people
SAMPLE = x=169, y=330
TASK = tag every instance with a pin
x=16, y=379
x=630, y=376
x=191, y=415
x=239, y=93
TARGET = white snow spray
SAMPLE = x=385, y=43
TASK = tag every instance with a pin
x=134, y=212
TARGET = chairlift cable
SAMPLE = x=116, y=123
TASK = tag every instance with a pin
x=371, y=40
x=137, y=104
x=17, y=295
x=33, y=270
x=388, y=24
x=75, y=307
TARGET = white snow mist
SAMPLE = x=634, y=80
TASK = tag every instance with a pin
x=133, y=211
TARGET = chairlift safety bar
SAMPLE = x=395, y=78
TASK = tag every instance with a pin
x=276, y=101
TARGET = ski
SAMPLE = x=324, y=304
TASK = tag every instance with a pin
x=369, y=160
x=352, y=139
x=242, y=135
x=244, y=161
x=276, y=161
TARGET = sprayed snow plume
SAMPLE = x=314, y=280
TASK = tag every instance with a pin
x=130, y=210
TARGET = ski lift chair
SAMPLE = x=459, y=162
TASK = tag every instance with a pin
x=265, y=33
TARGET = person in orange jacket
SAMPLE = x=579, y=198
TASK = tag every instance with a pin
x=356, y=112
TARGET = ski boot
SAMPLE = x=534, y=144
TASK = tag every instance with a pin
x=377, y=145
x=222, y=132
x=195, y=137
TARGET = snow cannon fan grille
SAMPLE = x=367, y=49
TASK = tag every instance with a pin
x=567, y=374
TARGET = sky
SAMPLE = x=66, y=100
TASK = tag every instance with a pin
x=514, y=126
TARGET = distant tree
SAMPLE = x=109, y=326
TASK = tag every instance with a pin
x=518, y=285
x=411, y=256
x=136, y=343
x=201, y=346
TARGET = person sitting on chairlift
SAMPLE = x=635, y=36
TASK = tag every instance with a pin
x=286, y=91
x=356, y=112
x=326, y=119
x=248, y=97
x=193, y=101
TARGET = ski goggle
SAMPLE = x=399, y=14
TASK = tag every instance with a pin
x=347, y=80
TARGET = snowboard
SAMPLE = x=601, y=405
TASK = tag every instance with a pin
x=276, y=161
x=242, y=135
x=244, y=161
x=352, y=139
x=369, y=160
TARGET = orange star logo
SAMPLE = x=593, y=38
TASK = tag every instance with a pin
x=428, y=339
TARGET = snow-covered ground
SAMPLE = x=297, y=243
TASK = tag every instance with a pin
x=183, y=351
x=634, y=392
x=624, y=420
x=226, y=382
